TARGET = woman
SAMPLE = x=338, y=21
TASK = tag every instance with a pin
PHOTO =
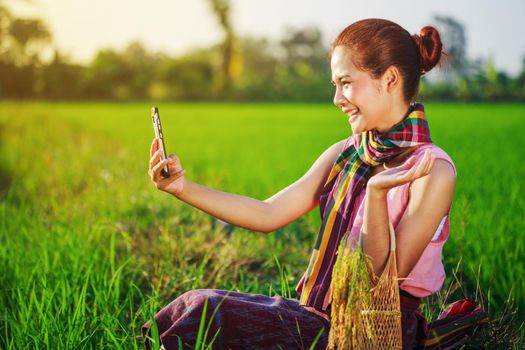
x=387, y=170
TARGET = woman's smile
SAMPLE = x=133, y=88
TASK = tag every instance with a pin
x=352, y=113
x=353, y=116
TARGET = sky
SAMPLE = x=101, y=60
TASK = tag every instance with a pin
x=494, y=29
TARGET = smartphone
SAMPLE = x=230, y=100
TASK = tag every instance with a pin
x=155, y=117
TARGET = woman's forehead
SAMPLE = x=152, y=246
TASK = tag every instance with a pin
x=341, y=63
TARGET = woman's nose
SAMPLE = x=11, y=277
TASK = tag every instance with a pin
x=339, y=99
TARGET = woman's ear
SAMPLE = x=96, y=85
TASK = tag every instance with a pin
x=391, y=78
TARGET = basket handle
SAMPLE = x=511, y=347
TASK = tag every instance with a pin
x=392, y=236
x=392, y=253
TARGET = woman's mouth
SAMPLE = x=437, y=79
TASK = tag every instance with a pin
x=351, y=113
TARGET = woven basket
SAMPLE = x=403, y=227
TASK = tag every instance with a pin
x=366, y=312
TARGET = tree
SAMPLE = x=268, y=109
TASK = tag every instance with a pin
x=304, y=44
x=454, y=42
x=190, y=77
x=108, y=76
x=5, y=19
x=260, y=66
x=306, y=74
x=222, y=9
x=21, y=42
x=60, y=79
x=141, y=65
x=30, y=36
x=520, y=82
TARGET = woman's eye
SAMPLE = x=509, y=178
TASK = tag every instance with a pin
x=346, y=83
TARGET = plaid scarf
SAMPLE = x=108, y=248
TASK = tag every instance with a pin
x=346, y=180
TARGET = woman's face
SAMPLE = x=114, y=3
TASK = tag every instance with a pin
x=361, y=97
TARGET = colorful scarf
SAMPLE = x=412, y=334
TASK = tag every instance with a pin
x=346, y=180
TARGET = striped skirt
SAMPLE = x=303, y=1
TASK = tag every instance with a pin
x=254, y=321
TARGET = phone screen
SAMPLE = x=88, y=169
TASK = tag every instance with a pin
x=155, y=117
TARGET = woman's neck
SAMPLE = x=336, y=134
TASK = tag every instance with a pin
x=396, y=114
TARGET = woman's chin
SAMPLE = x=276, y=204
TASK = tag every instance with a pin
x=355, y=123
x=356, y=129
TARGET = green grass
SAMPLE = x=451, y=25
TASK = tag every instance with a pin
x=88, y=245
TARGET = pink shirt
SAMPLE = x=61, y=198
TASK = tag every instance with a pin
x=428, y=274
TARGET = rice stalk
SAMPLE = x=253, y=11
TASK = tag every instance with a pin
x=351, y=293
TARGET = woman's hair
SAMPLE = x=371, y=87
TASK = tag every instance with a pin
x=377, y=44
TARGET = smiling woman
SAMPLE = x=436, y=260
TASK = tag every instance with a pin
x=387, y=171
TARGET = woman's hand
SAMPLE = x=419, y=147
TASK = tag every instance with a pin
x=413, y=168
x=173, y=184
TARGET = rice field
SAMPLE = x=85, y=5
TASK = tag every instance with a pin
x=89, y=248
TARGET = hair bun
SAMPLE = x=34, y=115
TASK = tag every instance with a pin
x=429, y=45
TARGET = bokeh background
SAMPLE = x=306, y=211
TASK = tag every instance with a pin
x=89, y=249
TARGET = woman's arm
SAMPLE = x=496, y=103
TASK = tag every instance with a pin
x=252, y=214
x=430, y=199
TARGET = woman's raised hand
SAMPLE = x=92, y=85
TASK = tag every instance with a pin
x=413, y=168
x=173, y=184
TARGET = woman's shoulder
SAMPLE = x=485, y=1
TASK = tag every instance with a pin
x=441, y=170
x=347, y=142
x=438, y=153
